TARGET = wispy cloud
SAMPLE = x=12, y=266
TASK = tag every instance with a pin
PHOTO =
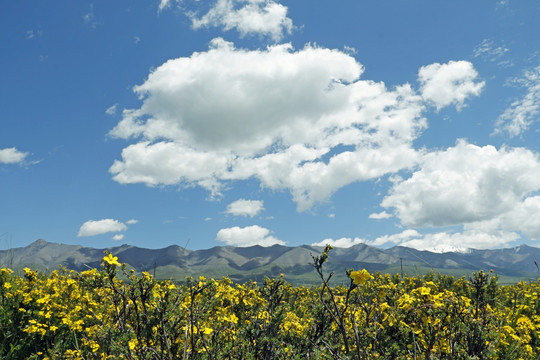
x=517, y=118
x=89, y=18
x=488, y=49
x=111, y=110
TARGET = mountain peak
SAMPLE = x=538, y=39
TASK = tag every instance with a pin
x=39, y=242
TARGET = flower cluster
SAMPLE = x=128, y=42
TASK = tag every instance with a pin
x=114, y=313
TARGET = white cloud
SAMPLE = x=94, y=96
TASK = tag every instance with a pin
x=263, y=17
x=435, y=242
x=460, y=241
x=12, y=156
x=297, y=120
x=118, y=237
x=447, y=84
x=31, y=34
x=243, y=207
x=99, y=227
x=523, y=112
x=381, y=215
x=343, y=242
x=480, y=187
x=523, y=218
x=164, y=4
x=168, y=163
x=398, y=239
x=111, y=110
x=247, y=236
x=132, y=221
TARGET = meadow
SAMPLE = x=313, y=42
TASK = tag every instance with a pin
x=115, y=313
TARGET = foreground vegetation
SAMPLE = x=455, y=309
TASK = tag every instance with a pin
x=113, y=313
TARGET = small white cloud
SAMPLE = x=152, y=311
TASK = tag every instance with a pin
x=136, y=39
x=243, y=207
x=163, y=4
x=12, y=156
x=132, y=221
x=523, y=112
x=343, y=242
x=262, y=17
x=381, y=215
x=247, y=236
x=349, y=50
x=331, y=216
x=207, y=218
x=99, y=227
x=31, y=34
x=111, y=110
x=447, y=84
x=118, y=237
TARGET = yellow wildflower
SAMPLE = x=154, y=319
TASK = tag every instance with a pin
x=360, y=277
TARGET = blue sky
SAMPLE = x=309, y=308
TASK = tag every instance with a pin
x=242, y=122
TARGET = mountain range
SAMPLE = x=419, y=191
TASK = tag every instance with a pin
x=253, y=263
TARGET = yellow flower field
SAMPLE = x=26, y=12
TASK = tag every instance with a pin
x=113, y=313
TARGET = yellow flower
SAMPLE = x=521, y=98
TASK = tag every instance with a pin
x=424, y=290
x=360, y=277
x=111, y=260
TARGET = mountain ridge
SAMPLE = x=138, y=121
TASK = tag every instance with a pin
x=255, y=262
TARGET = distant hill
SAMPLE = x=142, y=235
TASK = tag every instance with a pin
x=253, y=263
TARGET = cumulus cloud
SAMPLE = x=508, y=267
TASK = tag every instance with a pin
x=243, y=207
x=523, y=112
x=132, y=221
x=12, y=156
x=296, y=120
x=262, y=17
x=490, y=192
x=99, y=227
x=247, y=236
x=343, y=242
x=449, y=84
